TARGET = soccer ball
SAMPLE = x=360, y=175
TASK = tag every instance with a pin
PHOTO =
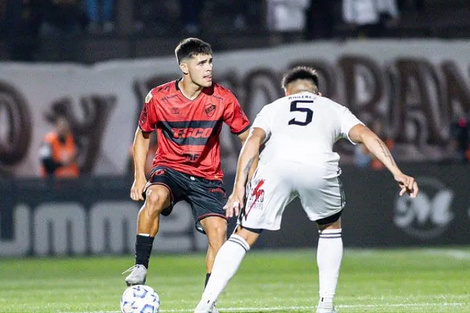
x=140, y=299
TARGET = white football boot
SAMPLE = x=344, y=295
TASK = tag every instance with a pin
x=138, y=275
x=326, y=310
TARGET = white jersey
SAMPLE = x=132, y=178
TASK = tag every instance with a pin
x=298, y=160
x=303, y=128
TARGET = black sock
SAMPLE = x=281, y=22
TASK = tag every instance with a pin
x=143, y=248
x=208, y=275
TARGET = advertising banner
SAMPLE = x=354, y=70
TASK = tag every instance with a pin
x=96, y=216
x=415, y=88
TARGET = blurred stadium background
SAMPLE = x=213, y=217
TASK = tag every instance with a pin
x=408, y=79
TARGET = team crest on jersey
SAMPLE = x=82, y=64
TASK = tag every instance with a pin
x=148, y=97
x=209, y=109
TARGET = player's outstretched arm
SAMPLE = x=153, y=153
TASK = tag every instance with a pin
x=248, y=155
x=362, y=134
x=140, y=148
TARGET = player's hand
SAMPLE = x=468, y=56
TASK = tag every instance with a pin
x=407, y=185
x=234, y=204
x=137, y=189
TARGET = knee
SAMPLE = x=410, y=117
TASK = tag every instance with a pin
x=217, y=233
x=155, y=202
x=220, y=230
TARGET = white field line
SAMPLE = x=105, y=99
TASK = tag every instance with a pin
x=452, y=253
x=288, y=308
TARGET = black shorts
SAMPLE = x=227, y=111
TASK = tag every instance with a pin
x=206, y=197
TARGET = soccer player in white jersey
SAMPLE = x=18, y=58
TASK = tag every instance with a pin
x=298, y=160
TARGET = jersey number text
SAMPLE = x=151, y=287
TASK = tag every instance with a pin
x=308, y=116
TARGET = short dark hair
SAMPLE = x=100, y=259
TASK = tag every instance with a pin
x=189, y=47
x=299, y=72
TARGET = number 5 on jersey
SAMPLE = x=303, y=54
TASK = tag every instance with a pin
x=308, y=112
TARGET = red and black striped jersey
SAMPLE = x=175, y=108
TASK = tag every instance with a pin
x=188, y=130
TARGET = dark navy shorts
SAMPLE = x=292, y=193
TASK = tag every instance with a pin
x=206, y=197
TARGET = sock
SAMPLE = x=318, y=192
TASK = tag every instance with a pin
x=208, y=275
x=329, y=256
x=143, y=248
x=226, y=264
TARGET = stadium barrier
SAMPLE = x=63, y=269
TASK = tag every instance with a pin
x=94, y=215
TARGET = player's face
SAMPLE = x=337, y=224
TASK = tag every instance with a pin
x=62, y=126
x=199, y=69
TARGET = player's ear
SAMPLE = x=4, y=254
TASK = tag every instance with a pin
x=184, y=68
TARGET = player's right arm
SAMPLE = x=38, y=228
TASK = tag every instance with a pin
x=140, y=148
x=248, y=155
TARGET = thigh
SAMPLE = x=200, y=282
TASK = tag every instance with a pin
x=323, y=201
x=207, y=198
x=167, y=177
x=268, y=194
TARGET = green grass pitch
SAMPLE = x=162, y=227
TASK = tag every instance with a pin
x=392, y=280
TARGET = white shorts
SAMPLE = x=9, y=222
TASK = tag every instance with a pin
x=275, y=185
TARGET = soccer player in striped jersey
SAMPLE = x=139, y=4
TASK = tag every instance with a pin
x=187, y=115
x=298, y=132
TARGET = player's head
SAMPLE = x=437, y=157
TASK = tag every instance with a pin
x=194, y=57
x=190, y=47
x=62, y=126
x=299, y=79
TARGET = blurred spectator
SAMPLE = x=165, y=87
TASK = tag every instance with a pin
x=246, y=13
x=163, y=17
x=362, y=156
x=3, y=5
x=370, y=18
x=460, y=139
x=19, y=26
x=418, y=5
x=191, y=14
x=286, y=15
x=58, y=153
x=100, y=14
x=320, y=19
x=10, y=14
x=60, y=17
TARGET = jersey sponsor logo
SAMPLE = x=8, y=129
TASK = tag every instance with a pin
x=189, y=133
x=197, y=132
x=256, y=196
x=191, y=157
x=209, y=109
x=175, y=110
x=429, y=214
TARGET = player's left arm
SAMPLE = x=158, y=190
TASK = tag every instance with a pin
x=362, y=134
x=248, y=156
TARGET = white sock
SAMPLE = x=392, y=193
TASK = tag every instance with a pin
x=329, y=256
x=226, y=264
